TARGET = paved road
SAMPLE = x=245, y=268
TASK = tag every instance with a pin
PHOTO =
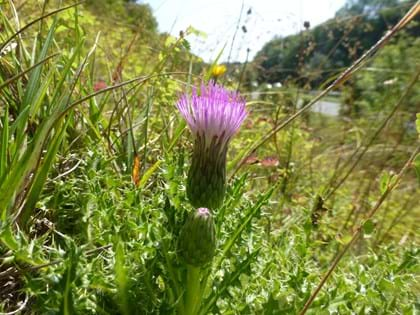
x=326, y=107
x=323, y=106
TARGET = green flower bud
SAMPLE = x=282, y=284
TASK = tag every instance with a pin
x=206, y=184
x=197, y=240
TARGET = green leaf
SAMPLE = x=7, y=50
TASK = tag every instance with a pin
x=32, y=88
x=177, y=134
x=41, y=93
x=196, y=32
x=368, y=228
x=121, y=278
x=244, y=222
x=383, y=182
x=387, y=179
x=148, y=173
x=4, y=143
x=416, y=164
x=240, y=269
x=41, y=175
x=186, y=44
x=67, y=283
x=170, y=40
x=8, y=239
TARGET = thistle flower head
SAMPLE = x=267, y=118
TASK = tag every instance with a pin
x=213, y=112
x=213, y=115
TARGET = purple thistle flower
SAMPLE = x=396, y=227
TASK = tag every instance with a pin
x=215, y=112
x=213, y=115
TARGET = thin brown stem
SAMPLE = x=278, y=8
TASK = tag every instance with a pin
x=374, y=136
x=391, y=186
x=343, y=77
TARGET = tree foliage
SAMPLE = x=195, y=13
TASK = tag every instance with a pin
x=316, y=55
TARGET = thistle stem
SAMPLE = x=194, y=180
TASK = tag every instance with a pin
x=193, y=292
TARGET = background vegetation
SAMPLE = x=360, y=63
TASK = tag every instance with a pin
x=93, y=161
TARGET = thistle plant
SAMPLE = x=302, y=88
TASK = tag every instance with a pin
x=213, y=114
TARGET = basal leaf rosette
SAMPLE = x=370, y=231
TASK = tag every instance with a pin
x=213, y=114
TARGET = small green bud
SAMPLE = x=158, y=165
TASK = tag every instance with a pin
x=197, y=240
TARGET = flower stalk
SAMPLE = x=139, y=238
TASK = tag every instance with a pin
x=193, y=290
x=196, y=247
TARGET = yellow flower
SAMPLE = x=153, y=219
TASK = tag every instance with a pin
x=218, y=70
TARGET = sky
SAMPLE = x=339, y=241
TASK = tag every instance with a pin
x=218, y=19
